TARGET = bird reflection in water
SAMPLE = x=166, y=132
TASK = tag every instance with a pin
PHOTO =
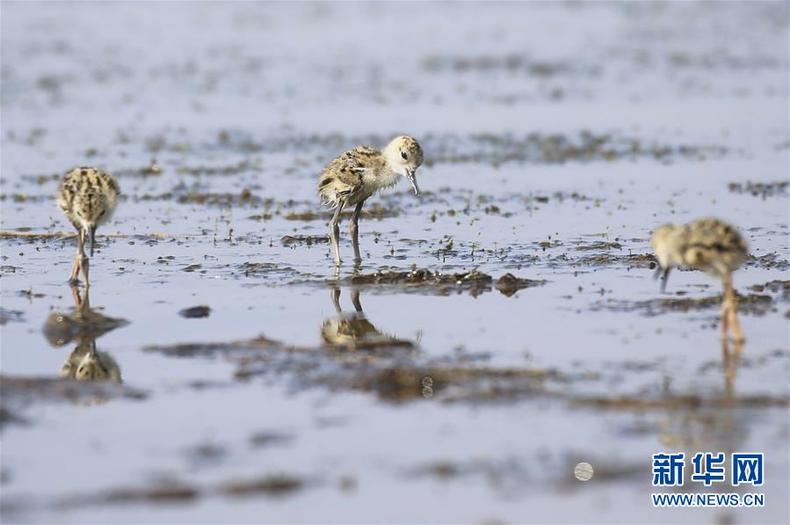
x=83, y=325
x=709, y=424
x=353, y=331
x=731, y=359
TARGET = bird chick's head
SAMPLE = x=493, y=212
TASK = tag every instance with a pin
x=667, y=241
x=404, y=156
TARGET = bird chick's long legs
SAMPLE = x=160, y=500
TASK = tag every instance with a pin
x=353, y=229
x=334, y=232
x=730, y=311
x=735, y=324
x=75, y=270
x=80, y=263
x=75, y=266
x=725, y=316
x=85, y=264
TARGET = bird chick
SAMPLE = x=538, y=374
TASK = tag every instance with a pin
x=710, y=245
x=357, y=174
x=87, y=196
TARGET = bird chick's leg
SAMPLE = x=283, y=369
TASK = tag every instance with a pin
x=725, y=316
x=353, y=229
x=735, y=324
x=75, y=270
x=334, y=231
x=85, y=264
x=731, y=302
x=79, y=258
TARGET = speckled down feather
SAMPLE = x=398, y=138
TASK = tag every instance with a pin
x=360, y=172
x=711, y=241
x=342, y=179
x=88, y=196
x=708, y=244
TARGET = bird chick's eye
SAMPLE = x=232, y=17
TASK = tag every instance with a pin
x=404, y=155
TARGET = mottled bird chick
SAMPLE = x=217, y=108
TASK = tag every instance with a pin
x=359, y=173
x=710, y=245
x=87, y=196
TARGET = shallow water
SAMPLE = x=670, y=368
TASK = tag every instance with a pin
x=557, y=136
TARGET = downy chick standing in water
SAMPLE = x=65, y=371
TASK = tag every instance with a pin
x=710, y=245
x=87, y=196
x=359, y=173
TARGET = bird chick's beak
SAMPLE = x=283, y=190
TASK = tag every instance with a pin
x=92, y=234
x=411, y=174
x=664, y=274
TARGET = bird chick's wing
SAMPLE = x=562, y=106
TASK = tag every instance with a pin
x=712, y=244
x=67, y=191
x=342, y=179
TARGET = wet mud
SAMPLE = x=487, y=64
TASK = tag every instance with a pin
x=424, y=280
